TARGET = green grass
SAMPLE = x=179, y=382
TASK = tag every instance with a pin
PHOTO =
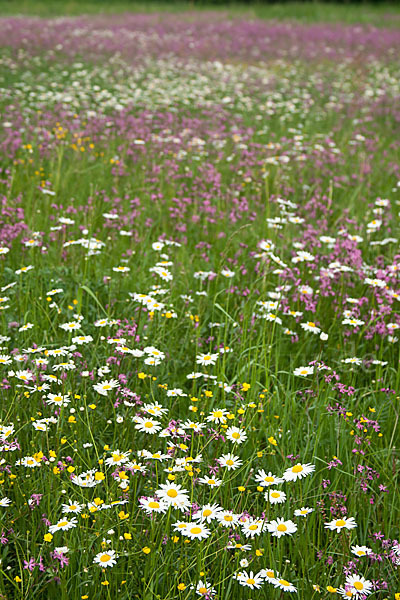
x=206, y=177
x=379, y=14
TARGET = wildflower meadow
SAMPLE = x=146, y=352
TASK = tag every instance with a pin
x=200, y=305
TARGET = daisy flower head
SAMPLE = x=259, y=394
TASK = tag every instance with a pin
x=358, y=585
x=269, y=575
x=204, y=588
x=310, y=326
x=253, y=527
x=345, y=592
x=71, y=507
x=57, y=399
x=24, y=375
x=176, y=392
x=303, y=511
x=82, y=339
x=173, y=495
x=217, y=415
x=280, y=527
x=251, y=580
x=106, y=386
x=210, y=481
x=106, y=559
x=207, y=513
x=267, y=479
x=63, y=525
x=150, y=505
x=236, y=435
x=28, y=461
x=227, y=273
x=5, y=501
x=340, y=524
x=147, y=425
x=298, y=472
x=227, y=518
x=361, y=550
x=275, y=496
x=285, y=585
x=117, y=458
x=230, y=461
x=196, y=531
x=206, y=359
x=303, y=371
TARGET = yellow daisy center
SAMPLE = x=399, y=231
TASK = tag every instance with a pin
x=358, y=585
x=195, y=530
x=105, y=558
x=62, y=523
x=340, y=523
x=270, y=574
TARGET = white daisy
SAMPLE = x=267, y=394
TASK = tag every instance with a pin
x=339, y=524
x=106, y=559
x=280, y=527
x=298, y=472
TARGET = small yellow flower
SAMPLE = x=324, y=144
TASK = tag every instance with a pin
x=331, y=589
x=245, y=387
x=47, y=537
x=181, y=587
x=272, y=441
x=128, y=536
x=99, y=476
x=146, y=550
x=17, y=579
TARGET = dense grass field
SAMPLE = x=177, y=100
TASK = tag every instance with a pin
x=380, y=14
x=199, y=248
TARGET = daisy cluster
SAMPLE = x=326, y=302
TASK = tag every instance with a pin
x=199, y=249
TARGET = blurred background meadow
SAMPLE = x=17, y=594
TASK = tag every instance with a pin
x=199, y=249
